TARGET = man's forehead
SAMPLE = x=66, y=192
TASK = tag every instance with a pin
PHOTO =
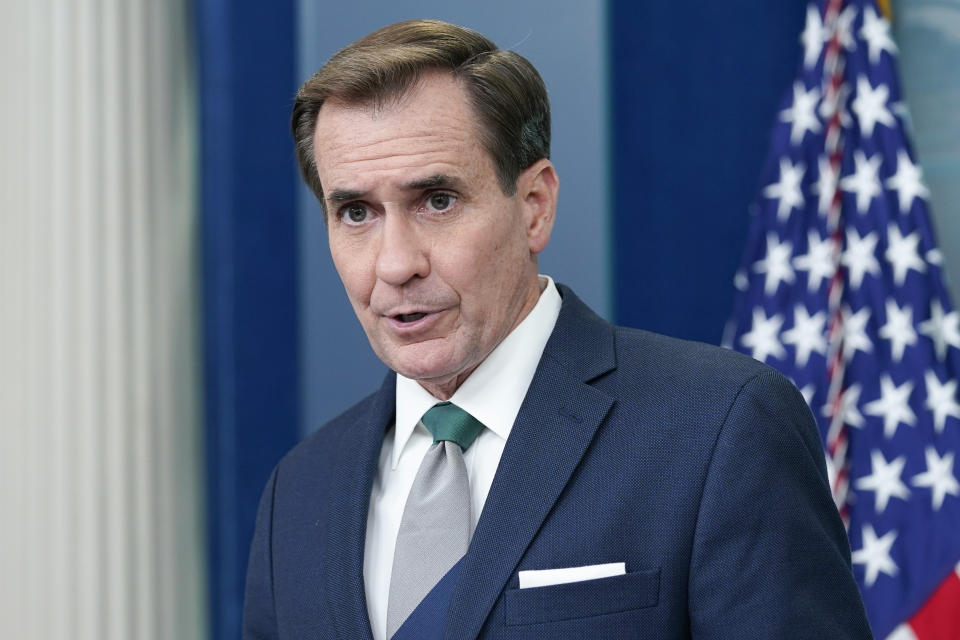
x=400, y=156
x=430, y=132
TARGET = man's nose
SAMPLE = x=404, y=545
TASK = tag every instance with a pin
x=402, y=255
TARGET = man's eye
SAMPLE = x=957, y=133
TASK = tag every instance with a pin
x=355, y=213
x=440, y=201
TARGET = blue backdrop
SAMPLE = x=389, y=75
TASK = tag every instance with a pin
x=250, y=296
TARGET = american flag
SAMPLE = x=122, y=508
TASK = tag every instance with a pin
x=841, y=289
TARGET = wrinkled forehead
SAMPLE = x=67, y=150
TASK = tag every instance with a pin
x=433, y=122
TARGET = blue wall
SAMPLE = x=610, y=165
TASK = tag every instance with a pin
x=568, y=47
x=697, y=88
x=250, y=274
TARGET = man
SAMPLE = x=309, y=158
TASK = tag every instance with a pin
x=528, y=471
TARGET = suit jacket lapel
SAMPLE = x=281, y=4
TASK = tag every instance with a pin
x=556, y=424
x=348, y=502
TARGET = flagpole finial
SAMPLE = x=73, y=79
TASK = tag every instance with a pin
x=886, y=8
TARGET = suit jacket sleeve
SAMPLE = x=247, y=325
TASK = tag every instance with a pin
x=259, y=612
x=770, y=556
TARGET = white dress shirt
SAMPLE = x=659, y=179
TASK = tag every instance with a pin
x=492, y=394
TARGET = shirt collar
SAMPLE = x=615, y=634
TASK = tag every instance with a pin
x=495, y=390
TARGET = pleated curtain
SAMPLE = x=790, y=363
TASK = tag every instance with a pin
x=101, y=512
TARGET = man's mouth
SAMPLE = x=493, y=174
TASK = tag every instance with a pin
x=410, y=317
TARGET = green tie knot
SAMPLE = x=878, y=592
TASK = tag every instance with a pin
x=447, y=421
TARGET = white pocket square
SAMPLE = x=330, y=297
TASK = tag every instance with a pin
x=548, y=577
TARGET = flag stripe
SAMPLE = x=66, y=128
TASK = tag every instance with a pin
x=939, y=618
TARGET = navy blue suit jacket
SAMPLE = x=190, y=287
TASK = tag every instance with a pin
x=699, y=468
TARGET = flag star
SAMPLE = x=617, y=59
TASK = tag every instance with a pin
x=762, y=337
x=859, y=258
x=848, y=405
x=907, y=181
x=870, y=105
x=938, y=477
x=884, y=480
x=898, y=329
x=935, y=257
x=814, y=36
x=807, y=334
x=831, y=472
x=825, y=187
x=902, y=253
x=876, y=31
x=817, y=261
x=844, y=29
x=855, y=332
x=941, y=400
x=741, y=281
x=776, y=265
x=863, y=181
x=802, y=115
x=787, y=189
x=807, y=392
x=892, y=405
x=942, y=328
x=875, y=555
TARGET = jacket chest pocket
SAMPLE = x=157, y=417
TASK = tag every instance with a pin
x=634, y=590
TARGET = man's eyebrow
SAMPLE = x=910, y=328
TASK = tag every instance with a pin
x=343, y=195
x=439, y=180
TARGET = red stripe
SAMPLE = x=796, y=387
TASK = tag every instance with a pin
x=939, y=618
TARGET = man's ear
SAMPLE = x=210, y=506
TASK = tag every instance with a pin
x=537, y=188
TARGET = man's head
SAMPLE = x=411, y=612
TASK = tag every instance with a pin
x=434, y=235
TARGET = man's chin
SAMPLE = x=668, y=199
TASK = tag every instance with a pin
x=426, y=375
x=438, y=374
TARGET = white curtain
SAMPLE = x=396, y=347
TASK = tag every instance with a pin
x=101, y=509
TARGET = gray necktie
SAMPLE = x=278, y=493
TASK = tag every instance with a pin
x=435, y=527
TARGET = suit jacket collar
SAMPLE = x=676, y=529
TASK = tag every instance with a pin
x=582, y=341
x=556, y=424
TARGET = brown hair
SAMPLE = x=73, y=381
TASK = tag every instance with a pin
x=505, y=90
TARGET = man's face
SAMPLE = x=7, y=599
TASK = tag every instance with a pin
x=438, y=263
